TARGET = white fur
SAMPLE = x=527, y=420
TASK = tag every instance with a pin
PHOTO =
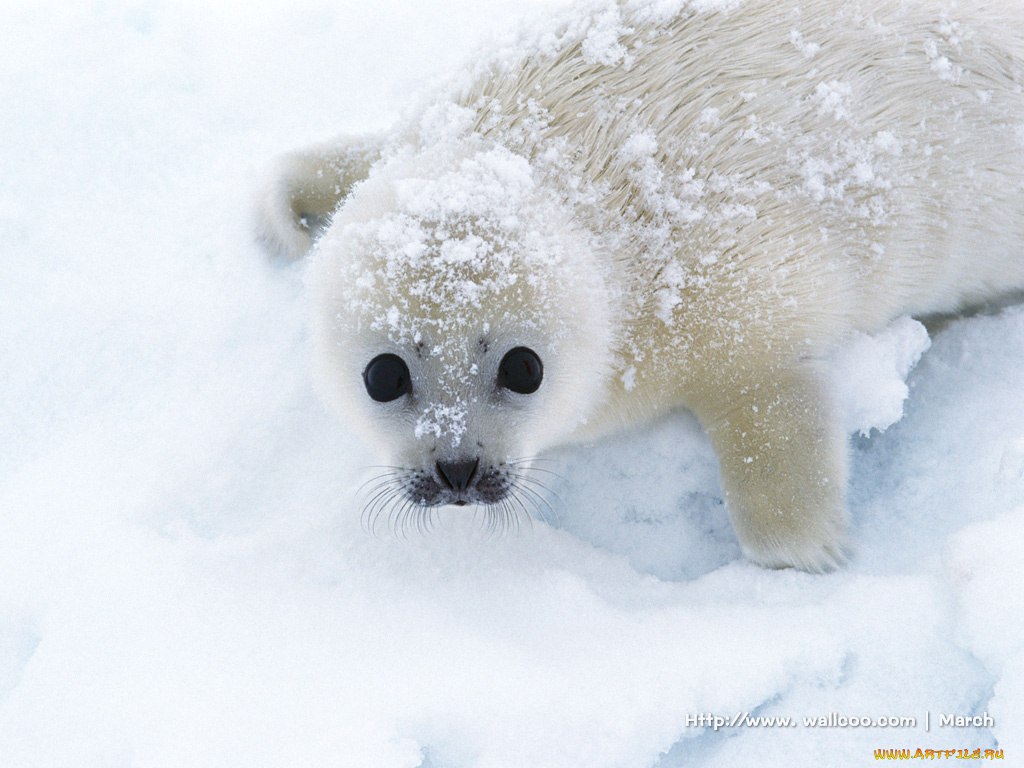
x=698, y=201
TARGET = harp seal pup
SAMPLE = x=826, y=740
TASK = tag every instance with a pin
x=641, y=206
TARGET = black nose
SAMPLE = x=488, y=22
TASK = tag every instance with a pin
x=457, y=474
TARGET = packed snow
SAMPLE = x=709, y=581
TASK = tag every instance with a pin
x=184, y=574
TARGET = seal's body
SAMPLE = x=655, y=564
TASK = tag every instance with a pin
x=652, y=205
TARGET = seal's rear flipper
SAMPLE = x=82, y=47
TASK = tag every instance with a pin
x=302, y=189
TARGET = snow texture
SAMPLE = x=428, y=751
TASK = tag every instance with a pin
x=183, y=576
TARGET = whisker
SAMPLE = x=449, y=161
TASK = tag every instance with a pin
x=531, y=463
x=526, y=478
x=532, y=459
x=383, y=477
x=386, y=486
x=548, y=472
x=424, y=519
x=378, y=497
x=522, y=513
x=513, y=516
x=412, y=516
x=383, y=501
x=499, y=519
x=537, y=502
x=391, y=513
x=493, y=513
x=522, y=483
x=489, y=523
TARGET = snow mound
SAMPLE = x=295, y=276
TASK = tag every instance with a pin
x=871, y=371
x=985, y=570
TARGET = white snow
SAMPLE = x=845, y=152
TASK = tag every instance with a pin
x=985, y=569
x=601, y=45
x=870, y=374
x=807, y=50
x=184, y=579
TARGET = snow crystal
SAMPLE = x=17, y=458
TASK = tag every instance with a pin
x=833, y=98
x=629, y=378
x=639, y=146
x=886, y=141
x=807, y=50
x=602, y=44
x=441, y=419
x=940, y=64
x=709, y=116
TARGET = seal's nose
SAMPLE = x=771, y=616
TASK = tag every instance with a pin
x=457, y=474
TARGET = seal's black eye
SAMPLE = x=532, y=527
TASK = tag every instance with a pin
x=387, y=378
x=520, y=371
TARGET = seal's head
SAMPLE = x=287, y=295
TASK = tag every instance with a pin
x=460, y=322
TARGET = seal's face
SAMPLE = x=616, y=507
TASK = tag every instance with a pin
x=460, y=324
x=456, y=444
x=458, y=477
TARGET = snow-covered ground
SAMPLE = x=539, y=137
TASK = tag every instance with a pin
x=184, y=579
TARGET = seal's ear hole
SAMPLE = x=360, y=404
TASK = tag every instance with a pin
x=387, y=378
x=520, y=371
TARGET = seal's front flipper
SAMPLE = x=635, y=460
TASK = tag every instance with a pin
x=783, y=459
x=302, y=190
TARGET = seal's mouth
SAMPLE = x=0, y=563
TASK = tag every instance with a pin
x=407, y=498
x=427, y=494
x=471, y=486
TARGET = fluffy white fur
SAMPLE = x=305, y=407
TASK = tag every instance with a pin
x=675, y=204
